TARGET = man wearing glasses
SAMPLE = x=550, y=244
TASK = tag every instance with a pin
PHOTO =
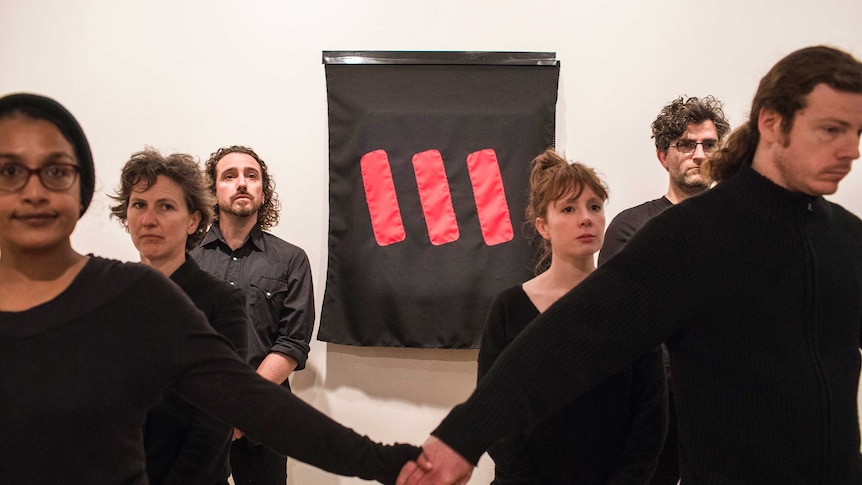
x=686, y=133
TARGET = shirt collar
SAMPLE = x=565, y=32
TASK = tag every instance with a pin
x=214, y=237
x=256, y=239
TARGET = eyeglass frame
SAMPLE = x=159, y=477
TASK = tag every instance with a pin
x=696, y=143
x=39, y=174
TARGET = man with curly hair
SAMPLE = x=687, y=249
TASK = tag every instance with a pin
x=276, y=277
x=686, y=132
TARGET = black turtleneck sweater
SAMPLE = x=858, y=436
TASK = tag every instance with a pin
x=757, y=292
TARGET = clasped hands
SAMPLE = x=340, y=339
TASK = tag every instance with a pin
x=438, y=464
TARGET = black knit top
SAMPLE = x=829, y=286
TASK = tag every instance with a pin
x=78, y=374
x=757, y=292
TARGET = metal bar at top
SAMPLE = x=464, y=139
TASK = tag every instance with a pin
x=441, y=58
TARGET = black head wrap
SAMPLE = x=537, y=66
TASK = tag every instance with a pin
x=43, y=108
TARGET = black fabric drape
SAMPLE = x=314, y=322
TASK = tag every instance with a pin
x=413, y=263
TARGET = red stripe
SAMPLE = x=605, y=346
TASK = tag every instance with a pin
x=490, y=197
x=380, y=195
x=435, y=197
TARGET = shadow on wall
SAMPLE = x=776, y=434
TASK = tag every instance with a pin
x=427, y=377
x=307, y=385
x=435, y=377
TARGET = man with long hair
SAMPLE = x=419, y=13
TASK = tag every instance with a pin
x=276, y=277
x=759, y=300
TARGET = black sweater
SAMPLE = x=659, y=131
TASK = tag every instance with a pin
x=183, y=445
x=78, y=373
x=611, y=435
x=757, y=292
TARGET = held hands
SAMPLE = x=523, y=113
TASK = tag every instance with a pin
x=437, y=465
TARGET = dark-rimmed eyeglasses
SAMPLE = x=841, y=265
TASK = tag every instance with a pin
x=54, y=176
x=689, y=146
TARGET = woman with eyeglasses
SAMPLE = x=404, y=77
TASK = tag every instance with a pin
x=614, y=433
x=89, y=345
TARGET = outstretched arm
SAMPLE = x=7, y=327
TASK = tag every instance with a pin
x=213, y=378
x=613, y=317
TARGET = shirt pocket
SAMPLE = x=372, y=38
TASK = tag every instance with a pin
x=265, y=300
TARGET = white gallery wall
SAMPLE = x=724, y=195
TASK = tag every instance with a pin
x=193, y=76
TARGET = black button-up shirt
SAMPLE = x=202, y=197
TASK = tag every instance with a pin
x=276, y=277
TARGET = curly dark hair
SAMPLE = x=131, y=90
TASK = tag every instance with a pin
x=267, y=215
x=674, y=118
x=551, y=178
x=784, y=89
x=145, y=167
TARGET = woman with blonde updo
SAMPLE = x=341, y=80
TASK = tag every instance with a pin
x=614, y=433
